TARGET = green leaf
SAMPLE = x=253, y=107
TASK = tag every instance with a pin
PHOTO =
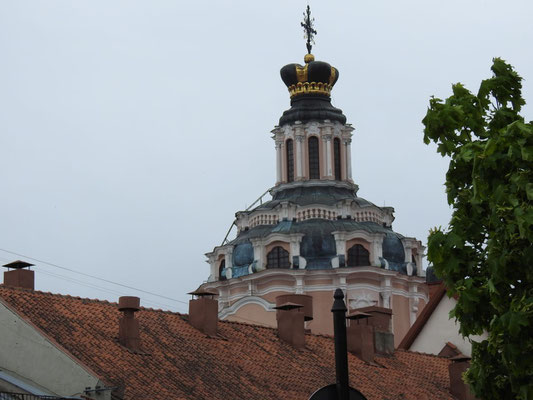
x=485, y=256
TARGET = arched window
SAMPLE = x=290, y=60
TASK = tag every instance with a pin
x=358, y=256
x=278, y=257
x=290, y=160
x=337, y=158
x=314, y=160
x=220, y=269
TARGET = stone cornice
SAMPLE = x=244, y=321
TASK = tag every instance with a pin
x=314, y=183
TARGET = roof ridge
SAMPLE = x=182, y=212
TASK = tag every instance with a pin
x=40, y=292
x=420, y=353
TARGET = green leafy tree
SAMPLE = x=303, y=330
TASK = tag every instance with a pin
x=485, y=256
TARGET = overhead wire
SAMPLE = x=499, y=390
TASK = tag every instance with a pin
x=100, y=288
x=93, y=276
x=107, y=290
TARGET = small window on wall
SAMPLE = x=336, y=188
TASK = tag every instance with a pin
x=337, y=158
x=278, y=257
x=220, y=269
x=314, y=160
x=358, y=256
x=290, y=160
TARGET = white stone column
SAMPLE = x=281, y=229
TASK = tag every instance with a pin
x=386, y=292
x=259, y=254
x=299, y=285
x=324, y=157
x=329, y=169
x=377, y=251
x=340, y=242
x=283, y=153
x=348, y=148
x=213, y=268
x=344, y=170
x=295, y=249
x=228, y=258
x=413, y=303
x=299, y=153
x=278, y=162
x=408, y=254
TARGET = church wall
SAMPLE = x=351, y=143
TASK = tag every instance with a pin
x=400, y=317
x=358, y=298
x=274, y=283
x=254, y=313
x=421, y=305
x=357, y=280
x=322, y=322
x=397, y=284
x=316, y=282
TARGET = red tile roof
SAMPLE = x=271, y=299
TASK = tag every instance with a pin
x=243, y=362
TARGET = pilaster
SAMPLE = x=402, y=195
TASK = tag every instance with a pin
x=299, y=159
x=228, y=258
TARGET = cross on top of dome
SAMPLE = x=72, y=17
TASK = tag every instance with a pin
x=309, y=31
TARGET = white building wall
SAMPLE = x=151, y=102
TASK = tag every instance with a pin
x=439, y=329
x=27, y=353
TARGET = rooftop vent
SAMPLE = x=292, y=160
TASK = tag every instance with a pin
x=291, y=320
x=128, y=328
x=457, y=367
x=19, y=275
x=304, y=300
x=203, y=312
x=381, y=323
x=360, y=336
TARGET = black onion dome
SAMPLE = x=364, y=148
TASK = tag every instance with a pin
x=310, y=89
x=314, y=71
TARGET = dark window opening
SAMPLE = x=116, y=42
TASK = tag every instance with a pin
x=220, y=269
x=314, y=160
x=358, y=256
x=413, y=259
x=278, y=258
x=337, y=158
x=290, y=160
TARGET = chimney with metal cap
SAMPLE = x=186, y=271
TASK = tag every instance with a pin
x=304, y=300
x=291, y=317
x=456, y=368
x=360, y=336
x=381, y=322
x=128, y=325
x=203, y=312
x=19, y=275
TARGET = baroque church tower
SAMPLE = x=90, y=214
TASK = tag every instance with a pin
x=316, y=234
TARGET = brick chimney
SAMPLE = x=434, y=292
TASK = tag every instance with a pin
x=360, y=336
x=291, y=323
x=128, y=325
x=380, y=319
x=457, y=367
x=304, y=300
x=203, y=312
x=19, y=275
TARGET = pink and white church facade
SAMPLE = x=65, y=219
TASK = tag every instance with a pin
x=316, y=234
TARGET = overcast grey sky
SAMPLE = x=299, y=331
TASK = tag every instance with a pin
x=132, y=131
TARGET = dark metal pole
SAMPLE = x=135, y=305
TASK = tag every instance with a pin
x=341, y=349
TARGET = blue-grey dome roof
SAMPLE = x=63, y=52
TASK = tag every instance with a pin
x=243, y=254
x=393, y=248
x=306, y=195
